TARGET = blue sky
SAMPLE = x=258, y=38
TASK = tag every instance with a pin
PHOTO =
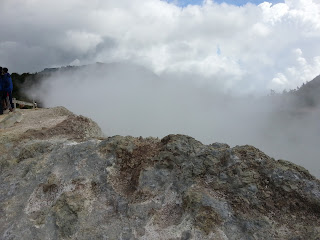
x=234, y=2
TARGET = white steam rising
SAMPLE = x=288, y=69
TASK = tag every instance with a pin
x=126, y=99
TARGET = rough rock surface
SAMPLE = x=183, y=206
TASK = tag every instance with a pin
x=10, y=119
x=60, y=179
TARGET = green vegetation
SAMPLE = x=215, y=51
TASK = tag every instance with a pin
x=25, y=81
x=20, y=83
x=306, y=96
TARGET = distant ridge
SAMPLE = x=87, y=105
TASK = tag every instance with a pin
x=309, y=93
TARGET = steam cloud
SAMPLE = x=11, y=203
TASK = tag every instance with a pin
x=127, y=99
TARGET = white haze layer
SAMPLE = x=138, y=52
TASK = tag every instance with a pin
x=252, y=48
x=126, y=99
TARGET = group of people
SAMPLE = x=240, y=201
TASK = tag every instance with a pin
x=6, y=88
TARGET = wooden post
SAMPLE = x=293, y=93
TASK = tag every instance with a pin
x=34, y=104
x=14, y=100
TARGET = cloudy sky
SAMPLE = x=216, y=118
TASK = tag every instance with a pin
x=252, y=46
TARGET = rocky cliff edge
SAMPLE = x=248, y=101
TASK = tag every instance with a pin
x=62, y=179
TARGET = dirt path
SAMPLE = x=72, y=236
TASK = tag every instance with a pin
x=36, y=119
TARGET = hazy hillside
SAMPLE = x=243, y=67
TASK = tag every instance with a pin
x=309, y=94
x=25, y=81
x=305, y=96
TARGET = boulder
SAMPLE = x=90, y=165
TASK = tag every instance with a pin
x=65, y=180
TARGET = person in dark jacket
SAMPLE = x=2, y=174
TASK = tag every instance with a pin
x=1, y=91
x=8, y=86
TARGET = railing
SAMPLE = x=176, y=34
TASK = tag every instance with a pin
x=15, y=102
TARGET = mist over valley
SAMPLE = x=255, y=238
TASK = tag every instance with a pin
x=128, y=99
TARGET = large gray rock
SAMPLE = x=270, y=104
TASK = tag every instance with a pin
x=65, y=183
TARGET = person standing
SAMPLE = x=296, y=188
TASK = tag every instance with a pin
x=8, y=87
x=1, y=92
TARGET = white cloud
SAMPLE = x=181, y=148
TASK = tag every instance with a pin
x=79, y=42
x=279, y=81
x=301, y=71
x=256, y=42
x=274, y=13
x=75, y=62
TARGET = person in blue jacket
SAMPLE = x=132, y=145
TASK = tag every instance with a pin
x=1, y=91
x=8, y=86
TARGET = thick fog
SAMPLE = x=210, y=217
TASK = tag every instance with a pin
x=127, y=99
